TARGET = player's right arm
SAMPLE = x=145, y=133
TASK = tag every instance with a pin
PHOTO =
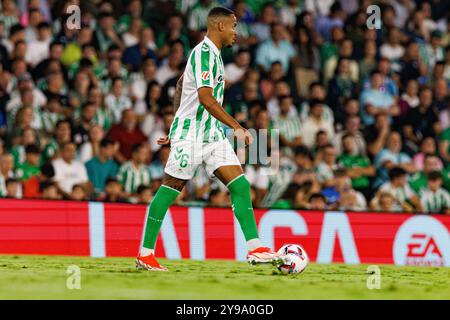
x=206, y=98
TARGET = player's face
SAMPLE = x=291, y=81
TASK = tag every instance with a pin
x=229, y=31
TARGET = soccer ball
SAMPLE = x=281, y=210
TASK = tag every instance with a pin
x=294, y=259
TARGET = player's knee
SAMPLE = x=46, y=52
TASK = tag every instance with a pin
x=239, y=185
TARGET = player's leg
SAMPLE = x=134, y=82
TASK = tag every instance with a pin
x=233, y=177
x=164, y=198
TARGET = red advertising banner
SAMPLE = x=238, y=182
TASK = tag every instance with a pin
x=99, y=230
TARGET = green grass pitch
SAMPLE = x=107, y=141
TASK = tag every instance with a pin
x=44, y=277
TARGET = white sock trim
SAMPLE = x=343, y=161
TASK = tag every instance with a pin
x=252, y=244
x=177, y=191
x=146, y=252
x=234, y=180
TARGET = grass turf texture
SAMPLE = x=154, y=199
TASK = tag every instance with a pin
x=44, y=277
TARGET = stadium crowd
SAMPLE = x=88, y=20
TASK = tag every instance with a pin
x=363, y=114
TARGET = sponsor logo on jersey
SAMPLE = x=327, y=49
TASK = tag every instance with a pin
x=205, y=75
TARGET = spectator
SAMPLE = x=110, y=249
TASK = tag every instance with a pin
x=6, y=171
x=340, y=88
x=267, y=17
x=236, y=70
x=332, y=64
x=409, y=98
x=113, y=191
x=427, y=147
x=135, y=55
x=78, y=193
x=105, y=35
x=358, y=166
x=31, y=187
x=30, y=167
x=421, y=121
x=69, y=171
x=199, y=13
x=392, y=156
x=290, y=127
x=171, y=68
x=352, y=127
x=133, y=173
x=50, y=191
x=376, y=101
x=127, y=134
x=307, y=50
x=435, y=199
x=326, y=165
x=385, y=202
x=12, y=188
x=315, y=122
x=349, y=198
x=316, y=92
x=91, y=148
x=117, y=101
x=419, y=180
x=62, y=136
x=277, y=48
x=102, y=166
x=38, y=49
x=145, y=194
x=317, y=202
x=400, y=190
x=217, y=198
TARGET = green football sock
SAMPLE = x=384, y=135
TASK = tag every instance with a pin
x=242, y=206
x=163, y=199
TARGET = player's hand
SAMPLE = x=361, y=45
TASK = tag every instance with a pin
x=163, y=141
x=243, y=135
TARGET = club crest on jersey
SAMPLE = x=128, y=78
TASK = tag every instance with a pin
x=205, y=75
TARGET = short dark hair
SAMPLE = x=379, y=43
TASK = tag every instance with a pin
x=106, y=142
x=303, y=151
x=396, y=172
x=317, y=196
x=142, y=188
x=45, y=185
x=111, y=180
x=48, y=170
x=135, y=147
x=32, y=148
x=11, y=180
x=56, y=43
x=16, y=28
x=315, y=102
x=219, y=12
x=434, y=175
x=43, y=25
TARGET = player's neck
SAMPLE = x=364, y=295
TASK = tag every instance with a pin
x=215, y=40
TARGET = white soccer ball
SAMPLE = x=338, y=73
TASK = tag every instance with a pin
x=294, y=259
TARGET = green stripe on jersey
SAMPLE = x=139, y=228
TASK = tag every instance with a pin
x=198, y=118
x=207, y=128
x=173, y=128
x=186, y=125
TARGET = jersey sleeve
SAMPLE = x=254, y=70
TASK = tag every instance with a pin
x=203, y=67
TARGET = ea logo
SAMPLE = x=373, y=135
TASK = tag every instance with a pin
x=422, y=240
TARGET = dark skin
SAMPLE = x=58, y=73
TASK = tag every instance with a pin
x=221, y=31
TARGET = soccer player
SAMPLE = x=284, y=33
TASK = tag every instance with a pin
x=196, y=137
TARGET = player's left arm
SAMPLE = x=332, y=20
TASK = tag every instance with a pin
x=206, y=98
